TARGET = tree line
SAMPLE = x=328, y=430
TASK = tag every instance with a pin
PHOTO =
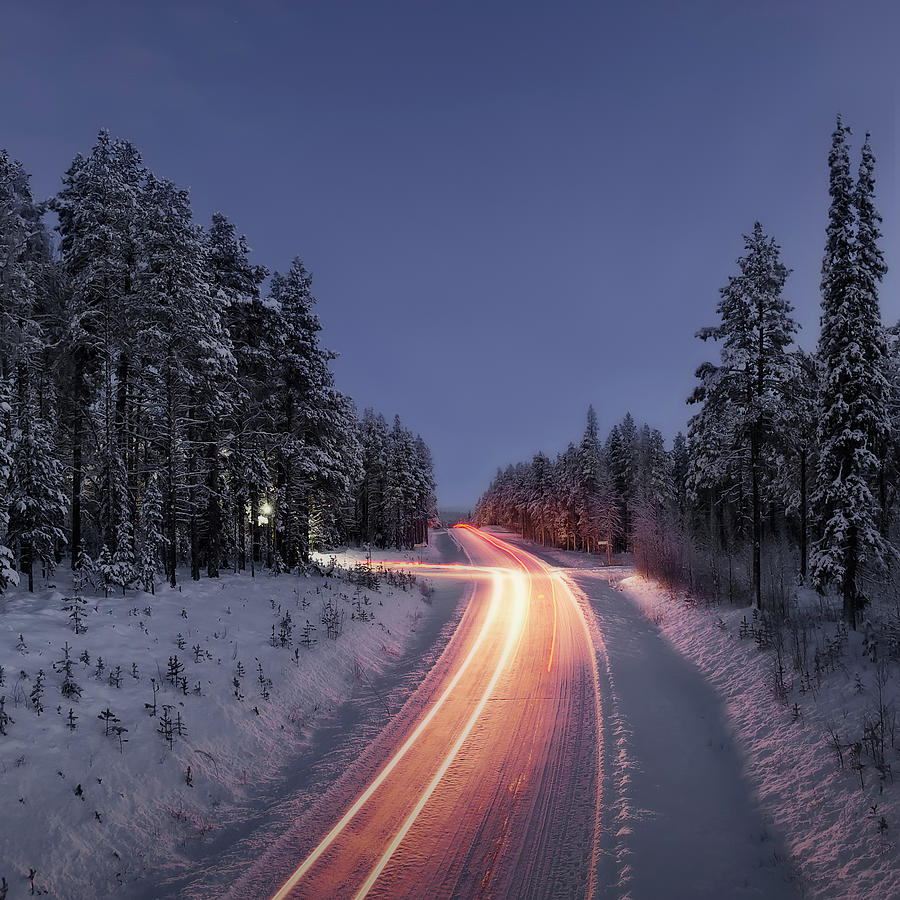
x=790, y=463
x=163, y=404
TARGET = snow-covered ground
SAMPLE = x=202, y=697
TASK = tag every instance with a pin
x=95, y=806
x=839, y=822
x=697, y=691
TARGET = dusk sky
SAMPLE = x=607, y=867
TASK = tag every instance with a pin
x=511, y=209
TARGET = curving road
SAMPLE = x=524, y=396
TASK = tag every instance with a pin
x=489, y=784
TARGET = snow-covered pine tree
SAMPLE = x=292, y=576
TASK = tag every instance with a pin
x=796, y=452
x=99, y=211
x=653, y=503
x=38, y=504
x=151, y=533
x=749, y=384
x=680, y=465
x=124, y=568
x=871, y=269
x=254, y=337
x=426, y=500
x=106, y=569
x=597, y=506
x=370, y=492
x=82, y=573
x=25, y=396
x=400, y=489
x=8, y=574
x=182, y=332
x=568, y=471
x=319, y=458
x=540, y=501
x=620, y=451
x=853, y=416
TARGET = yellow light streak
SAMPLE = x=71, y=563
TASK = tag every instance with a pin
x=328, y=840
x=517, y=621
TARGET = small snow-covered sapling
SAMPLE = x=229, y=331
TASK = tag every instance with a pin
x=85, y=657
x=167, y=726
x=188, y=777
x=264, y=683
x=83, y=571
x=110, y=719
x=70, y=720
x=69, y=687
x=286, y=629
x=2, y=676
x=134, y=671
x=101, y=667
x=37, y=693
x=306, y=638
x=21, y=646
x=179, y=641
x=174, y=671
x=120, y=732
x=115, y=677
x=74, y=606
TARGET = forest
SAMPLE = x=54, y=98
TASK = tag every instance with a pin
x=788, y=472
x=165, y=402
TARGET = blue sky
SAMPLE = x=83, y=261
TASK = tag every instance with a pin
x=511, y=209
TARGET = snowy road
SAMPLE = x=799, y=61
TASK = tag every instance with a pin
x=490, y=786
x=684, y=822
x=558, y=748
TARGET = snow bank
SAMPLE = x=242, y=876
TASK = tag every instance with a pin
x=840, y=823
x=93, y=805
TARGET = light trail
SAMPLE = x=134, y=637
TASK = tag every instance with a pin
x=553, y=639
x=325, y=843
x=511, y=638
x=502, y=545
x=491, y=651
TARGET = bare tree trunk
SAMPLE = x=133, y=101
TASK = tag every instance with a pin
x=757, y=516
x=254, y=529
x=804, y=515
x=77, y=478
x=849, y=580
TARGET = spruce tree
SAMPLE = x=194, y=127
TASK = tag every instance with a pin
x=596, y=504
x=853, y=418
x=749, y=384
x=38, y=503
